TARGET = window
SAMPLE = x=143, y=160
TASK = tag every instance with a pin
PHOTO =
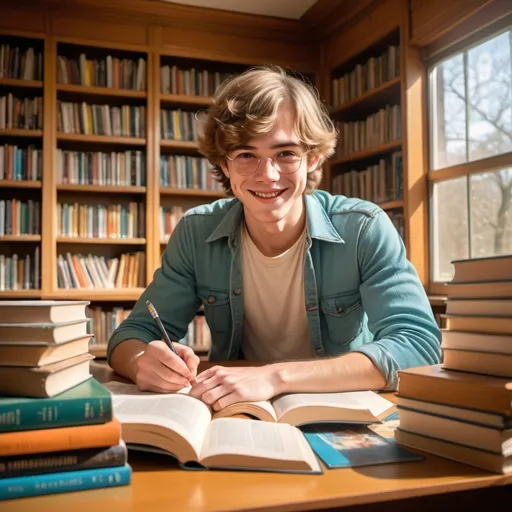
x=470, y=99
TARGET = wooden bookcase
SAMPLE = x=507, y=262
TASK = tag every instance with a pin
x=72, y=131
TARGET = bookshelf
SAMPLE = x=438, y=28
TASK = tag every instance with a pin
x=365, y=104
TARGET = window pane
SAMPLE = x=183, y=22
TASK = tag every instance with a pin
x=490, y=98
x=491, y=213
x=448, y=113
x=449, y=226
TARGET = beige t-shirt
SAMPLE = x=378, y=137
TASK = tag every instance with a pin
x=275, y=321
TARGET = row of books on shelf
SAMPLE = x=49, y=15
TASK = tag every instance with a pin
x=113, y=72
x=20, y=272
x=169, y=218
x=124, y=168
x=20, y=63
x=20, y=163
x=21, y=113
x=110, y=120
x=19, y=217
x=103, y=322
x=462, y=408
x=366, y=76
x=117, y=221
x=377, y=183
x=79, y=271
x=179, y=171
x=70, y=443
x=378, y=128
x=191, y=82
x=198, y=335
x=178, y=125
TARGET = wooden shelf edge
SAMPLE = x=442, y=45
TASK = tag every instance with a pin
x=369, y=95
x=20, y=294
x=178, y=144
x=20, y=184
x=19, y=132
x=95, y=90
x=386, y=147
x=392, y=205
x=20, y=238
x=105, y=139
x=115, y=189
x=99, y=351
x=100, y=241
x=96, y=294
x=17, y=82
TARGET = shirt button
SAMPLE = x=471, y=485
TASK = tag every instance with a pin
x=211, y=299
x=237, y=291
x=339, y=309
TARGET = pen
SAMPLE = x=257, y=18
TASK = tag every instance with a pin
x=165, y=336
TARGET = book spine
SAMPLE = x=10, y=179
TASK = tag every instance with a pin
x=70, y=460
x=54, y=483
x=33, y=415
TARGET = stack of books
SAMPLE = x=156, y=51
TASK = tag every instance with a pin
x=58, y=432
x=462, y=408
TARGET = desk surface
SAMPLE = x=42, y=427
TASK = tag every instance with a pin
x=158, y=485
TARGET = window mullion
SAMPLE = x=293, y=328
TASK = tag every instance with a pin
x=466, y=124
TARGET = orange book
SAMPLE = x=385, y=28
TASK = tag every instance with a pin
x=60, y=439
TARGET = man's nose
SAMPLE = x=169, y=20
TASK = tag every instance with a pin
x=266, y=170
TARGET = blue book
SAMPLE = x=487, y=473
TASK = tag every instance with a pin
x=70, y=481
x=343, y=445
x=88, y=403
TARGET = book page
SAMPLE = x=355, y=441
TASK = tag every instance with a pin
x=253, y=438
x=357, y=400
x=262, y=410
x=187, y=416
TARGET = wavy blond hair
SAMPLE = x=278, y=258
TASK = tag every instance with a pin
x=247, y=106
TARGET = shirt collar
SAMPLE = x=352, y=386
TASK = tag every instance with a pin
x=318, y=222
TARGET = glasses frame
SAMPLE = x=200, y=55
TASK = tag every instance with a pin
x=232, y=160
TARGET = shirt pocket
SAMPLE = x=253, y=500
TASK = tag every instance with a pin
x=217, y=310
x=343, y=315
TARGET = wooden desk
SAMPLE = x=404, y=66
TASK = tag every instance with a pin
x=434, y=484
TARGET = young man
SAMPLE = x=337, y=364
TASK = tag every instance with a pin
x=316, y=285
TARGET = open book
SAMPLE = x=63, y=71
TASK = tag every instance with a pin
x=189, y=430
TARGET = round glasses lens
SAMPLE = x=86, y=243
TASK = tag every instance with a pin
x=286, y=162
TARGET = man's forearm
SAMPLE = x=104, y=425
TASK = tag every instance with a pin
x=350, y=372
x=124, y=356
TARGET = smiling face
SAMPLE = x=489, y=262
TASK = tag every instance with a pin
x=267, y=194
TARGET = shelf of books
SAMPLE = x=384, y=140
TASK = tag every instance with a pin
x=366, y=108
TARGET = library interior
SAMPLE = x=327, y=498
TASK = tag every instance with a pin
x=100, y=109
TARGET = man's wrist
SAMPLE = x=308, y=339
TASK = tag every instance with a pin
x=280, y=377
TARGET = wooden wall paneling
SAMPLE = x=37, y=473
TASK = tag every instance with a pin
x=49, y=188
x=415, y=149
x=373, y=24
x=432, y=18
x=14, y=20
x=227, y=47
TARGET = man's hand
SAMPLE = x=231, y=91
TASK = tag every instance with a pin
x=222, y=386
x=159, y=369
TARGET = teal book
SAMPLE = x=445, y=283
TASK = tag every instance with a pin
x=88, y=403
x=70, y=481
x=343, y=445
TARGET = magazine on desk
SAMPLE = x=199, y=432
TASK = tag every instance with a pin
x=188, y=429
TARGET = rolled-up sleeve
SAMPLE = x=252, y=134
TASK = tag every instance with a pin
x=172, y=291
x=399, y=313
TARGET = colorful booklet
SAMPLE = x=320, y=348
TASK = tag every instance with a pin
x=342, y=445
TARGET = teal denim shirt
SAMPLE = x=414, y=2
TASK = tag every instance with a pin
x=361, y=292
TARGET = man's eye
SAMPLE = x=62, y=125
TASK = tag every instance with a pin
x=286, y=153
x=244, y=156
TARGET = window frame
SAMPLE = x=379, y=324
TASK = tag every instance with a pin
x=432, y=57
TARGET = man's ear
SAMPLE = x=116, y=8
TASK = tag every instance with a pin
x=224, y=167
x=313, y=163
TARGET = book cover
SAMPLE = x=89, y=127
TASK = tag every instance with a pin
x=71, y=481
x=342, y=446
x=88, y=403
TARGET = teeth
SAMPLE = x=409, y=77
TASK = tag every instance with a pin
x=267, y=196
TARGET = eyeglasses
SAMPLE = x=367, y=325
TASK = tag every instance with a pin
x=286, y=162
